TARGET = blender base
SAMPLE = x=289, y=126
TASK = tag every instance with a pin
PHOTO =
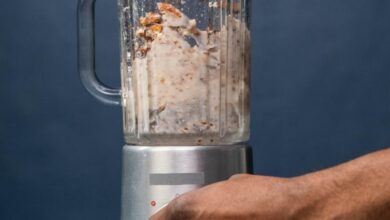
x=153, y=176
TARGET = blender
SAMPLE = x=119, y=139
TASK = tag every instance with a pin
x=185, y=86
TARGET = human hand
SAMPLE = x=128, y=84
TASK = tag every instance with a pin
x=357, y=190
x=241, y=197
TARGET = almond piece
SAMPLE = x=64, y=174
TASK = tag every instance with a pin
x=156, y=28
x=150, y=18
x=168, y=8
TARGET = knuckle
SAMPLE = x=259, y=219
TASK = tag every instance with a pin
x=182, y=208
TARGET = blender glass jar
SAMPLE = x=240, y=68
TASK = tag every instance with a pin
x=185, y=68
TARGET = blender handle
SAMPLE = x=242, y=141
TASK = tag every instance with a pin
x=86, y=55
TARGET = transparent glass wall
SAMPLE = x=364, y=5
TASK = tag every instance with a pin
x=185, y=71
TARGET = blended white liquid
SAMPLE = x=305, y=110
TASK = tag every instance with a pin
x=187, y=79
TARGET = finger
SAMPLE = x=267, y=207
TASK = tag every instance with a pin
x=168, y=212
x=163, y=214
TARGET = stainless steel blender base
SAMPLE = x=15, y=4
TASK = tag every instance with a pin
x=153, y=176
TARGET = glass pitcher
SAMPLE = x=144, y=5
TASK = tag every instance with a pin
x=185, y=70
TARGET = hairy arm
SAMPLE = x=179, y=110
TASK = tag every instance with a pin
x=357, y=190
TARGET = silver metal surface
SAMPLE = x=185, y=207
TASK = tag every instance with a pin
x=153, y=176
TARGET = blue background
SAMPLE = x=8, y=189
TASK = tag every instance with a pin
x=320, y=97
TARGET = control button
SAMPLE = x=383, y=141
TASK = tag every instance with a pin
x=153, y=203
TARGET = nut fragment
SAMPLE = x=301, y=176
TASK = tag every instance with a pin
x=140, y=32
x=150, y=18
x=168, y=8
x=141, y=52
x=156, y=28
x=184, y=130
x=161, y=108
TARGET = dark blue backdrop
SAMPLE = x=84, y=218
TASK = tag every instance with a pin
x=320, y=96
